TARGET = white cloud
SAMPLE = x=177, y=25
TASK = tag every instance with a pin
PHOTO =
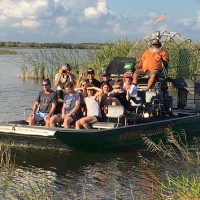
x=118, y=30
x=96, y=12
x=2, y=18
x=27, y=23
x=70, y=20
x=61, y=21
x=184, y=22
x=22, y=9
x=197, y=24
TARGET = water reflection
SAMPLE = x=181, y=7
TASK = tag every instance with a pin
x=95, y=175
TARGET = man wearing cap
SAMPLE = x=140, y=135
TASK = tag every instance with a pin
x=64, y=75
x=45, y=104
x=153, y=60
x=91, y=79
x=105, y=76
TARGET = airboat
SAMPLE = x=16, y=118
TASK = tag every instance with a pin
x=159, y=113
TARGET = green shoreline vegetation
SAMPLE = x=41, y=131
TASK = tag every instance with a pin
x=45, y=63
x=184, y=58
x=51, y=45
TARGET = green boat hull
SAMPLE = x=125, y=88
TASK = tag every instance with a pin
x=127, y=137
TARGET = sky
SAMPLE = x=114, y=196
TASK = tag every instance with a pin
x=75, y=21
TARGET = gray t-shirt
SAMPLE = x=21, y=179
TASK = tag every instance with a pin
x=70, y=101
x=45, y=101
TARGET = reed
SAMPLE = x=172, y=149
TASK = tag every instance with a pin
x=100, y=59
x=176, y=148
x=176, y=151
x=44, y=63
x=6, y=163
x=186, y=188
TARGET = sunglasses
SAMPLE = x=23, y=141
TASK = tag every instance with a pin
x=116, y=88
x=129, y=77
x=45, y=85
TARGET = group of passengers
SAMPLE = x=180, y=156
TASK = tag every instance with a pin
x=81, y=102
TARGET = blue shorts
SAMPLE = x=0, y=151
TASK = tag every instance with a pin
x=39, y=116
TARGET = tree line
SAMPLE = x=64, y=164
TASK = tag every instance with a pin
x=52, y=45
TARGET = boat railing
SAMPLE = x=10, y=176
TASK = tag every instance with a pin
x=27, y=112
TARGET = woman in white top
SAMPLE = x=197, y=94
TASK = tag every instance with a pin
x=93, y=109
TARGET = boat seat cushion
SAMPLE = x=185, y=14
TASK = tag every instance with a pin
x=105, y=125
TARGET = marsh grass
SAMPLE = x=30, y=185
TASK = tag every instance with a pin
x=11, y=188
x=100, y=59
x=176, y=148
x=182, y=185
x=5, y=157
x=45, y=63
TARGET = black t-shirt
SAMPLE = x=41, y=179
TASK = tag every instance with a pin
x=110, y=82
x=122, y=99
x=95, y=82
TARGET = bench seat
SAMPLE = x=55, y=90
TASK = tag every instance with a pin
x=105, y=125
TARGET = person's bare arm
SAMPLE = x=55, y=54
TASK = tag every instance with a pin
x=53, y=107
x=57, y=78
x=164, y=59
x=95, y=88
x=80, y=77
x=76, y=107
x=34, y=108
x=63, y=110
x=139, y=66
x=78, y=88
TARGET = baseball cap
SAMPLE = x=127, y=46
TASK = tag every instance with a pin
x=154, y=41
x=90, y=71
x=127, y=75
x=104, y=73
